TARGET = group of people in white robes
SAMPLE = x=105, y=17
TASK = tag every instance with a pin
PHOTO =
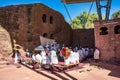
x=78, y=55
x=73, y=58
x=70, y=57
x=45, y=58
x=49, y=54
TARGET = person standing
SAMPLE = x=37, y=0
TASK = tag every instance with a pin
x=17, y=56
x=27, y=53
x=81, y=55
x=53, y=57
x=96, y=54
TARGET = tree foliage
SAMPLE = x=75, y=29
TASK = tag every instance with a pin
x=84, y=21
x=116, y=15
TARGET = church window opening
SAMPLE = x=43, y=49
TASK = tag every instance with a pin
x=51, y=36
x=117, y=29
x=45, y=35
x=51, y=19
x=103, y=31
x=44, y=17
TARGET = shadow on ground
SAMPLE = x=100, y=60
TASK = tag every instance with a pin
x=55, y=73
x=113, y=67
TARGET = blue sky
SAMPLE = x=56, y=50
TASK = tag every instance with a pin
x=74, y=9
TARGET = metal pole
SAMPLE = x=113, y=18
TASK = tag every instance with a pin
x=108, y=6
x=99, y=9
x=67, y=10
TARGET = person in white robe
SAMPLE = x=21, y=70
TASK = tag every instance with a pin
x=43, y=55
x=28, y=53
x=53, y=57
x=83, y=49
x=76, y=56
x=47, y=59
x=38, y=58
x=67, y=61
x=33, y=56
x=72, y=57
x=81, y=56
x=17, y=56
x=96, y=54
x=86, y=52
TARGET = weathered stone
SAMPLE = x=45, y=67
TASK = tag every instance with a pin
x=83, y=37
x=107, y=40
x=5, y=42
x=26, y=23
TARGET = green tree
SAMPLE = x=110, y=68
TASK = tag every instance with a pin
x=84, y=21
x=116, y=15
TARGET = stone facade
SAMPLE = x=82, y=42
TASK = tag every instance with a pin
x=83, y=37
x=26, y=23
x=107, y=39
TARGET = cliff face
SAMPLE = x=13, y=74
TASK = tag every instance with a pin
x=26, y=23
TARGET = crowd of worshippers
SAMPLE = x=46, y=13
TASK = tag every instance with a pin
x=52, y=54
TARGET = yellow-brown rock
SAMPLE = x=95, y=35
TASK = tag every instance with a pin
x=5, y=42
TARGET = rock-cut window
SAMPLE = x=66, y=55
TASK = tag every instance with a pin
x=103, y=31
x=51, y=19
x=117, y=29
x=51, y=36
x=45, y=35
x=44, y=18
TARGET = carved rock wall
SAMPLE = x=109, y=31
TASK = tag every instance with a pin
x=83, y=38
x=26, y=23
x=107, y=40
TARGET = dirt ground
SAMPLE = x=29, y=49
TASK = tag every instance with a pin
x=89, y=71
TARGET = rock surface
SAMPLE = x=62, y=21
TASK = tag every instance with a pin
x=5, y=42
